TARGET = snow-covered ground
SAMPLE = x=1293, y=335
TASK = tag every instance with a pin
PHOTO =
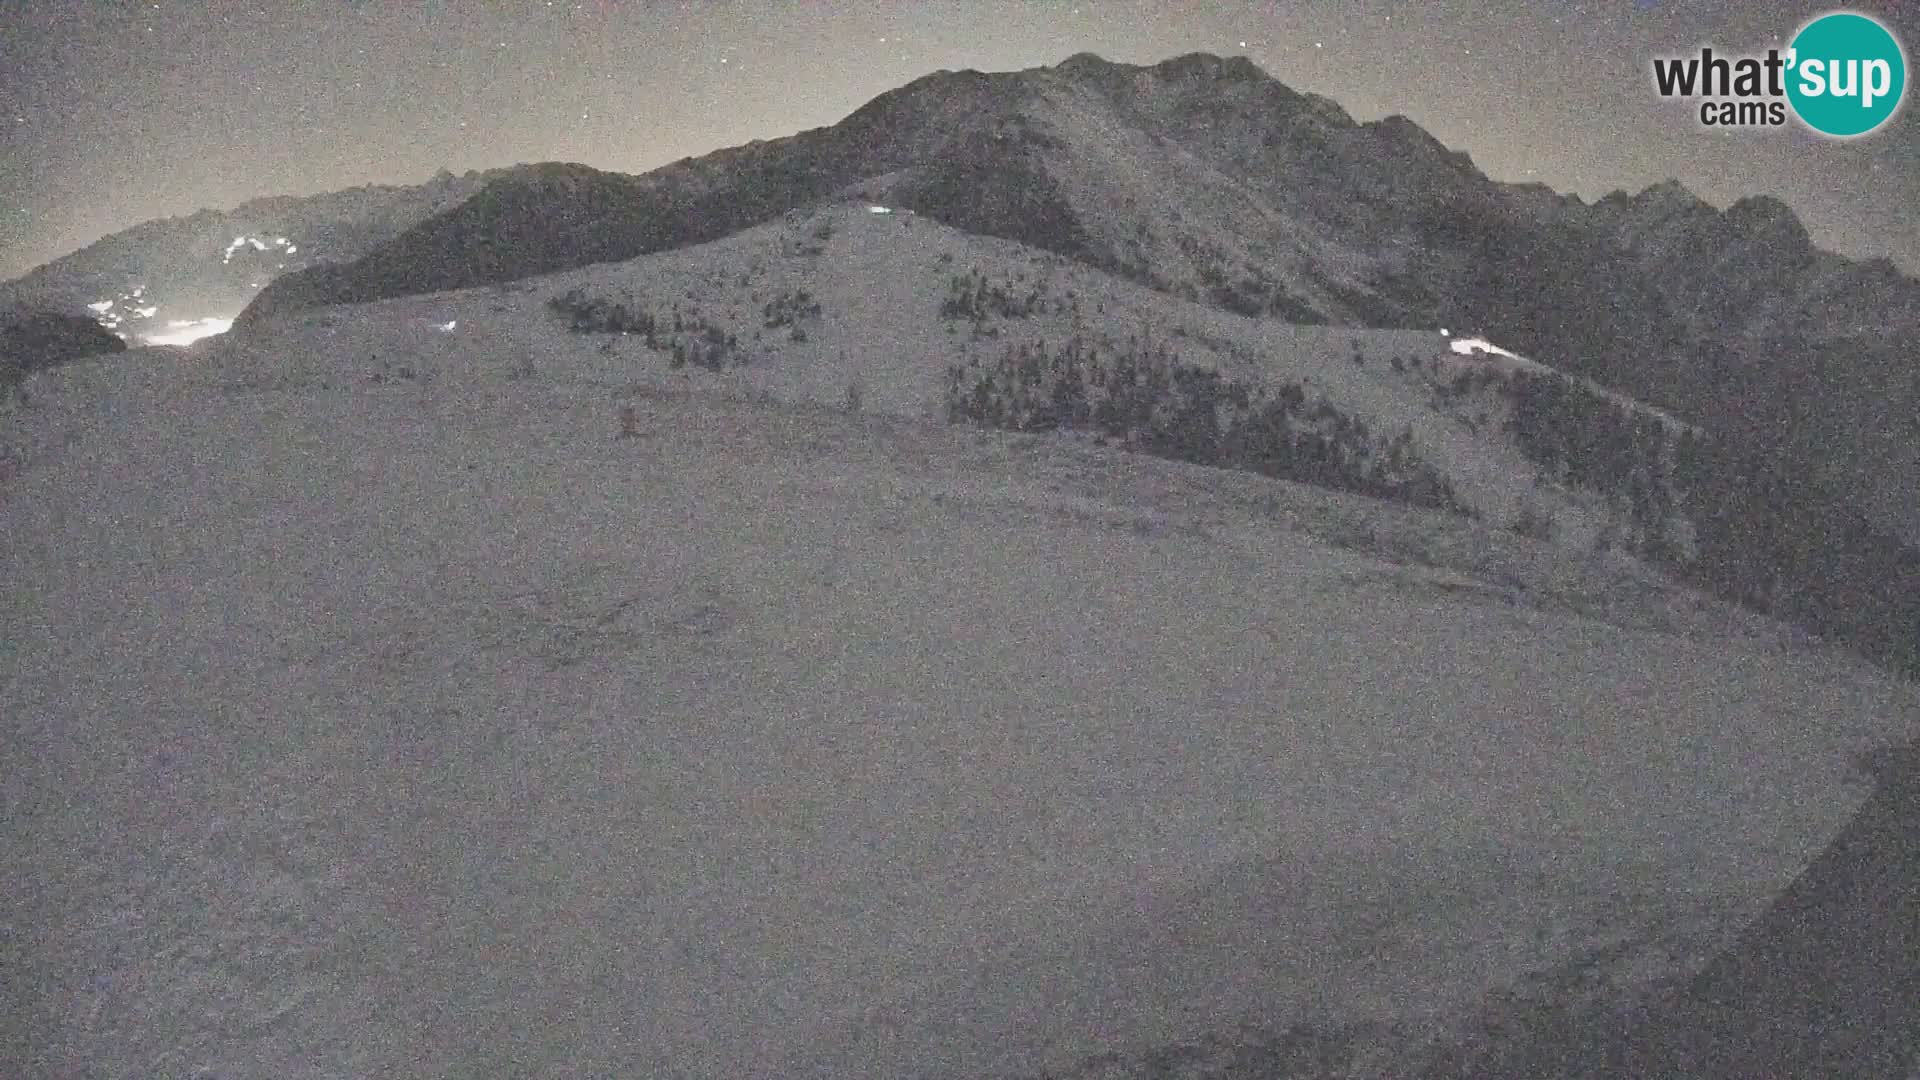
x=879, y=281
x=428, y=727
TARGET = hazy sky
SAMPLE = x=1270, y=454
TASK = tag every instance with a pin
x=114, y=112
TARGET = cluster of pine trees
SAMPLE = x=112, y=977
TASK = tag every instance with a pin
x=1774, y=539
x=790, y=308
x=703, y=345
x=1580, y=436
x=1766, y=534
x=1148, y=398
x=684, y=337
x=974, y=296
x=1254, y=294
x=596, y=315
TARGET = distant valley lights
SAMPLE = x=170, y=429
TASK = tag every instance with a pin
x=187, y=331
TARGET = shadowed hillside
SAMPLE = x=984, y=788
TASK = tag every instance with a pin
x=1821, y=984
x=30, y=341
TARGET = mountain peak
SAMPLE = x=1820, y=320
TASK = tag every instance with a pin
x=1668, y=193
x=1194, y=66
x=1208, y=65
x=1088, y=62
x=1400, y=129
x=1765, y=217
x=1666, y=204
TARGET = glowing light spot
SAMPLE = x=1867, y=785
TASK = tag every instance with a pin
x=100, y=307
x=447, y=327
x=879, y=210
x=187, y=331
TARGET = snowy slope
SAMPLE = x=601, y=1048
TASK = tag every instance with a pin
x=879, y=281
x=427, y=726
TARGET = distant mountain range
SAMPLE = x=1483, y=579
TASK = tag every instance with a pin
x=209, y=265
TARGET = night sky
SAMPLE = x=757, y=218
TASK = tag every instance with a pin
x=115, y=112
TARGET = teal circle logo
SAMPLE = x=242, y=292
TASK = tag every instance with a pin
x=1847, y=74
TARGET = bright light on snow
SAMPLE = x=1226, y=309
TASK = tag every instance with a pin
x=187, y=331
x=256, y=244
x=1469, y=346
x=100, y=307
x=878, y=210
x=447, y=327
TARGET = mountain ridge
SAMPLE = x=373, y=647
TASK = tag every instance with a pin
x=1207, y=178
x=211, y=263
x=1197, y=90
